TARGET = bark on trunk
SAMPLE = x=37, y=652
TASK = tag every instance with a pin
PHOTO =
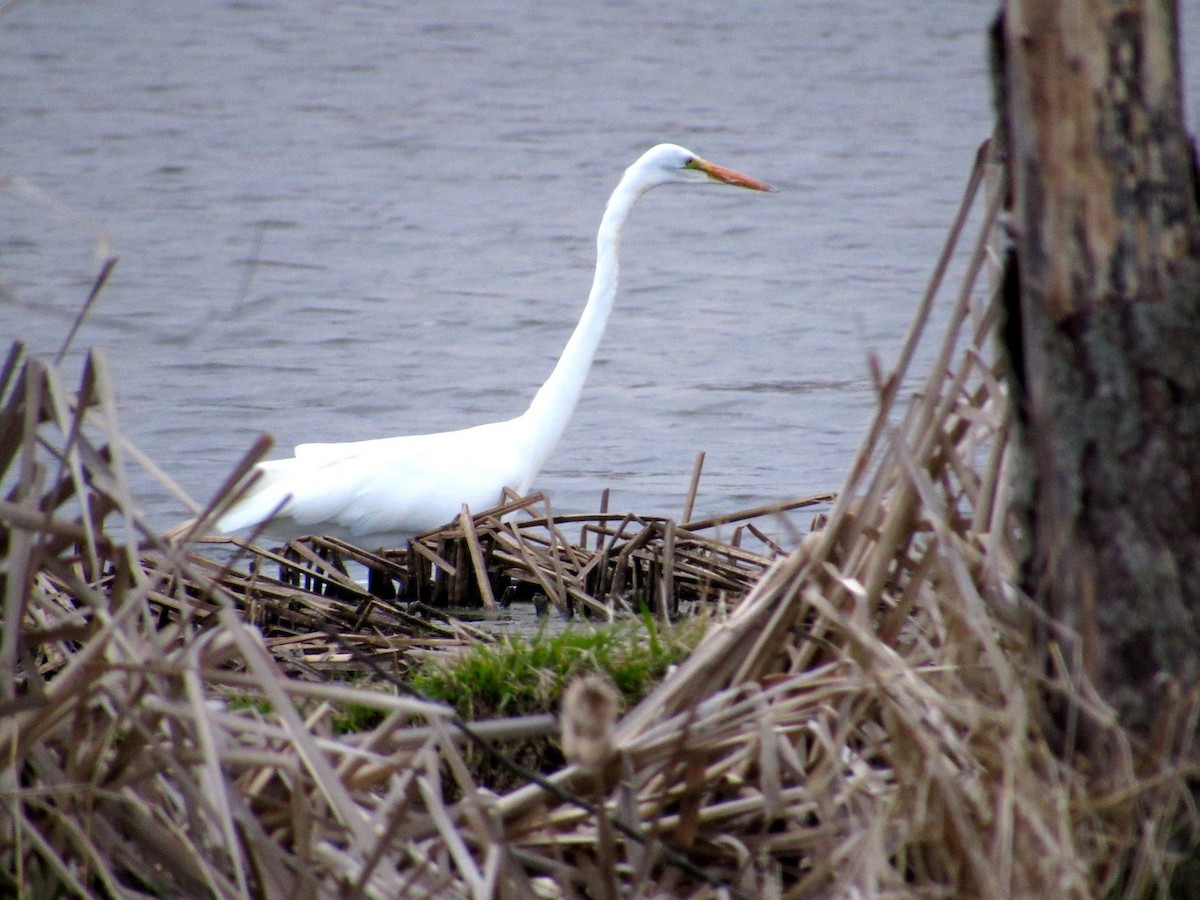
x=1105, y=337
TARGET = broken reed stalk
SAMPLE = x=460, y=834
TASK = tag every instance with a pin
x=493, y=554
x=689, y=501
x=863, y=721
x=472, y=539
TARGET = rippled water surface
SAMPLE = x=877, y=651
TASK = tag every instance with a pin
x=349, y=220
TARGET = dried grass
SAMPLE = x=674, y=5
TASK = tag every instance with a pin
x=866, y=720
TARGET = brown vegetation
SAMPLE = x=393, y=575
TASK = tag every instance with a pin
x=866, y=720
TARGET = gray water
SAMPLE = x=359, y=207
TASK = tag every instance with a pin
x=348, y=220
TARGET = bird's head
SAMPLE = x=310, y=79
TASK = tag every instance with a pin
x=672, y=164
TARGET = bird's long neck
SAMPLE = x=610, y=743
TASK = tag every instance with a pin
x=551, y=409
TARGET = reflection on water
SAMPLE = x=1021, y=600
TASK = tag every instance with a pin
x=519, y=619
x=350, y=222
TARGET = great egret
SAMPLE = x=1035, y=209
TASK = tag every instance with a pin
x=381, y=492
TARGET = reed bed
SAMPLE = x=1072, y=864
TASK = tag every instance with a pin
x=863, y=717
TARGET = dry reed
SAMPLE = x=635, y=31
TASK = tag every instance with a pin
x=865, y=721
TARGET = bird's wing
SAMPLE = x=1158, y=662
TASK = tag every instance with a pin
x=399, y=485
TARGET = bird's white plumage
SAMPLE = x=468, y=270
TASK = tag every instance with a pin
x=355, y=491
x=383, y=491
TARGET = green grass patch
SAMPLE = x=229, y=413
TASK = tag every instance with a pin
x=346, y=718
x=352, y=718
x=519, y=676
x=238, y=702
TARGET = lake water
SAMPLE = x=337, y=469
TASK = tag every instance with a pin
x=348, y=220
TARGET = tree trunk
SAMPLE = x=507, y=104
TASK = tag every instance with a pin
x=1104, y=335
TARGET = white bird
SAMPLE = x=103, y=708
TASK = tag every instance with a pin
x=382, y=492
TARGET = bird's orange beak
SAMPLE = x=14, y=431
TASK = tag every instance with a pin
x=728, y=176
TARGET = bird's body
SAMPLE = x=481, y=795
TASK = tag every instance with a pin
x=351, y=490
x=380, y=492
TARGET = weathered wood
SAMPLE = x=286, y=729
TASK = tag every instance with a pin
x=1103, y=295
